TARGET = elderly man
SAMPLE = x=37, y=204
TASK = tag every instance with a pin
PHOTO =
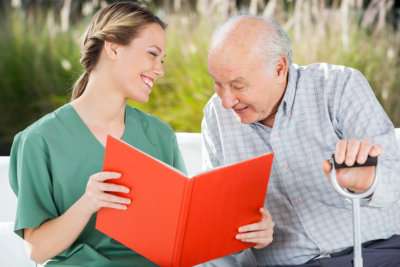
x=263, y=104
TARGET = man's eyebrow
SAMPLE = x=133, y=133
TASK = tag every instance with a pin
x=238, y=80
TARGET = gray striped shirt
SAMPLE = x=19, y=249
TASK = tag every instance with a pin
x=322, y=104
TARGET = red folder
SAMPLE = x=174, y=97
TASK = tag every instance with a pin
x=174, y=220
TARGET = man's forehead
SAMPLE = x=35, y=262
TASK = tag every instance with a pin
x=234, y=70
x=241, y=30
x=234, y=56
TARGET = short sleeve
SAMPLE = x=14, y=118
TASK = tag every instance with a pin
x=30, y=179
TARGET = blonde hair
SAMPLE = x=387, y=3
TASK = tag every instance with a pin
x=119, y=23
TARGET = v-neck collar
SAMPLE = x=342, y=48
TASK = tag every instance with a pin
x=84, y=128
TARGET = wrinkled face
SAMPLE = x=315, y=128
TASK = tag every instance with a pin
x=139, y=64
x=242, y=82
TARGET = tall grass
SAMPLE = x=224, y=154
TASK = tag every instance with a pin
x=35, y=72
x=39, y=64
x=375, y=54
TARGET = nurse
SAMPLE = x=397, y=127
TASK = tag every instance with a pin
x=56, y=163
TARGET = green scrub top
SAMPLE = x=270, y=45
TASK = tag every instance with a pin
x=50, y=164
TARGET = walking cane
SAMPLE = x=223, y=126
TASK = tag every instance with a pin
x=355, y=198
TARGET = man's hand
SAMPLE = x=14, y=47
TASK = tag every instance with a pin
x=357, y=179
x=260, y=233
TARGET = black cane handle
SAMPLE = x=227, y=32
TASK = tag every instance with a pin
x=371, y=161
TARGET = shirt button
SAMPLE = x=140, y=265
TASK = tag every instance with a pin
x=313, y=230
x=285, y=166
x=289, y=113
x=298, y=200
x=275, y=134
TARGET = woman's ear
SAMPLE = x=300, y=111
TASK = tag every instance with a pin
x=111, y=49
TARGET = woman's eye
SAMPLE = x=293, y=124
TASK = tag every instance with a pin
x=153, y=54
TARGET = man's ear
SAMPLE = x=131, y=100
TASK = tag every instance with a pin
x=111, y=49
x=282, y=69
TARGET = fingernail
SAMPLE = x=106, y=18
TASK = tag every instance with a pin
x=237, y=237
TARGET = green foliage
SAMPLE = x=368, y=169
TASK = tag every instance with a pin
x=36, y=71
x=376, y=56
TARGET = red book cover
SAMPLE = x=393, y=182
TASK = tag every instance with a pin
x=175, y=220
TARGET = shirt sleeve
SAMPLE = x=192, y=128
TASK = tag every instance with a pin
x=210, y=138
x=360, y=116
x=30, y=179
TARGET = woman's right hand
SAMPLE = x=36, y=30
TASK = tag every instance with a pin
x=98, y=192
x=54, y=236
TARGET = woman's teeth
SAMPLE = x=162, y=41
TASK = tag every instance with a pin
x=148, y=82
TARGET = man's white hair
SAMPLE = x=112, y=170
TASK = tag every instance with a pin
x=273, y=44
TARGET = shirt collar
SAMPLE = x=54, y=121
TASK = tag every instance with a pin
x=290, y=92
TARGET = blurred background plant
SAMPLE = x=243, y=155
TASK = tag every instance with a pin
x=39, y=51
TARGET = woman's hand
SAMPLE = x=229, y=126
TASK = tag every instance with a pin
x=54, y=236
x=98, y=192
x=260, y=233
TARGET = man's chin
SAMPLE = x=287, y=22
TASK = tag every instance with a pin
x=244, y=119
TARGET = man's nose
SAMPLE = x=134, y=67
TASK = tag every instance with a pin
x=228, y=99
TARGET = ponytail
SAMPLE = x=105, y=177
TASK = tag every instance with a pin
x=80, y=86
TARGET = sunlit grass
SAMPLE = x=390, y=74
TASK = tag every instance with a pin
x=376, y=56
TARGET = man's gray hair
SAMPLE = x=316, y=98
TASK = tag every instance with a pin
x=276, y=44
x=273, y=44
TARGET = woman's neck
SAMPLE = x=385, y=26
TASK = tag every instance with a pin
x=102, y=109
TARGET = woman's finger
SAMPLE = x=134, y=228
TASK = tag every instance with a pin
x=114, y=199
x=113, y=205
x=103, y=176
x=109, y=187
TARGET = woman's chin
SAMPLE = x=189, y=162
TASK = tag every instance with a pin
x=142, y=99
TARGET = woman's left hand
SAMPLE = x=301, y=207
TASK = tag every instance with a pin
x=260, y=233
